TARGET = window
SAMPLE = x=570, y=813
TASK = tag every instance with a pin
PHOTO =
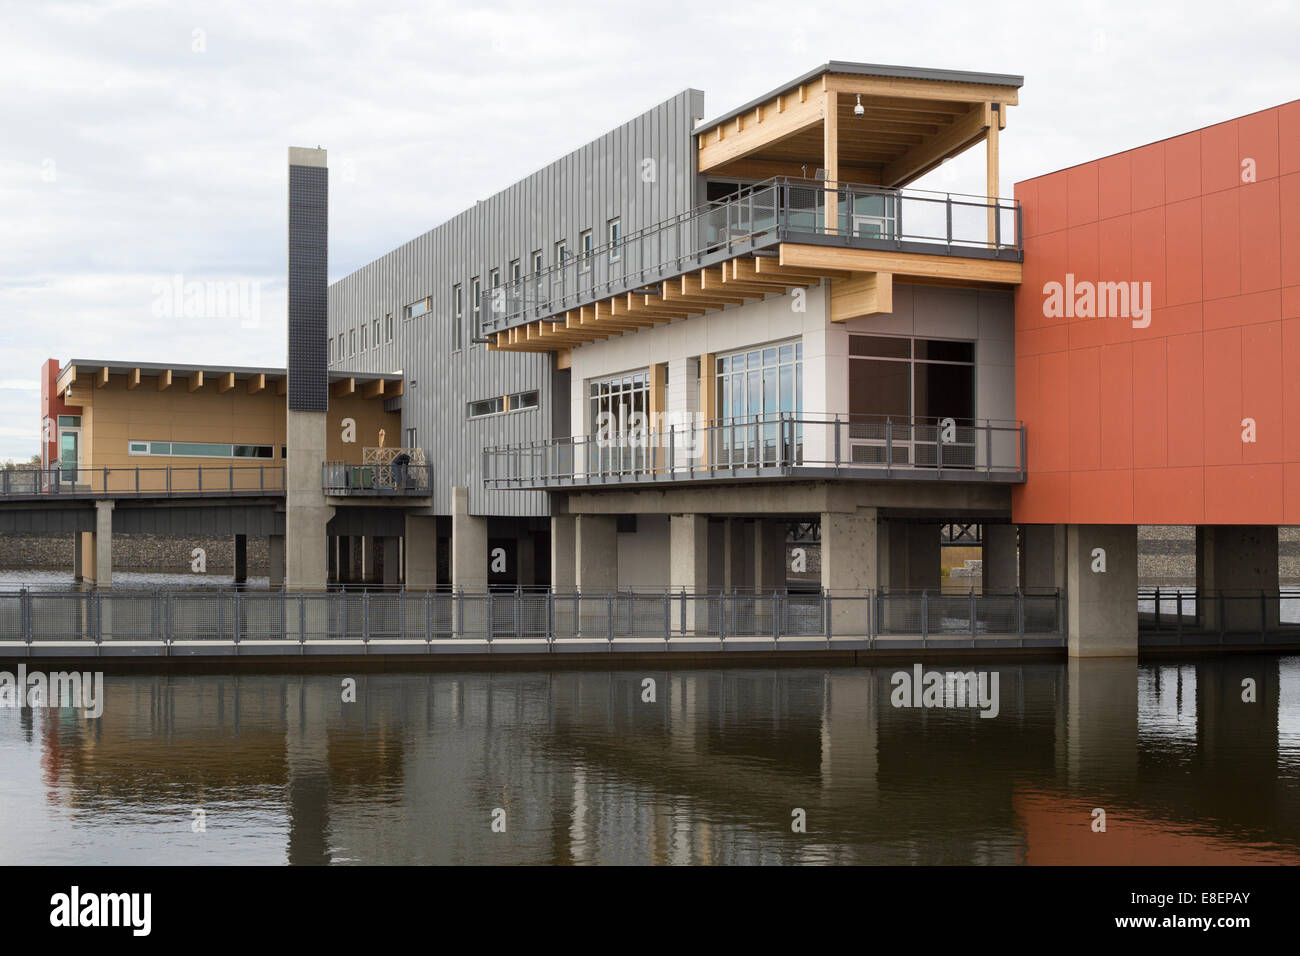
x=352, y=342
x=374, y=333
x=342, y=351
x=494, y=279
x=761, y=385
x=618, y=408
x=69, y=421
x=913, y=383
x=522, y=400
x=538, y=263
x=457, y=316
x=363, y=337
x=561, y=252
x=475, y=304
x=411, y=441
x=418, y=307
x=330, y=354
x=514, y=271
x=197, y=449
x=388, y=327
x=488, y=406
x=615, y=232
x=585, y=244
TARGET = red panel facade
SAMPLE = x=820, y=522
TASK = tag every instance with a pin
x=1135, y=402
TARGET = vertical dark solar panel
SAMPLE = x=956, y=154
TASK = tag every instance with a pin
x=308, y=281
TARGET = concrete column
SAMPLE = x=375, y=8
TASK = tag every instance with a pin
x=469, y=545
x=1042, y=557
x=241, y=559
x=344, y=559
x=306, y=512
x=849, y=562
x=104, y=544
x=421, y=552
x=1242, y=562
x=369, y=547
x=391, y=559
x=769, y=555
x=688, y=561
x=910, y=555
x=564, y=543
x=596, y=553
x=78, y=555
x=525, y=560
x=275, y=559
x=1101, y=590
x=738, y=555
x=1001, y=563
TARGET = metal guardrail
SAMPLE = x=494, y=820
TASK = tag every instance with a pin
x=116, y=481
x=374, y=480
x=769, y=446
x=172, y=618
x=1181, y=615
x=780, y=209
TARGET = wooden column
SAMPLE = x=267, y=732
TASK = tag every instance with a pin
x=831, y=157
x=994, y=118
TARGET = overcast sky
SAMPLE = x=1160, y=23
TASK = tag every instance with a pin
x=144, y=140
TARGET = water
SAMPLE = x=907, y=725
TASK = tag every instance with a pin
x=711, y=772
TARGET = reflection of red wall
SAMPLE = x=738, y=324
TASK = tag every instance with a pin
x=1131, y=426
x=1058, y=832
x=52, y=406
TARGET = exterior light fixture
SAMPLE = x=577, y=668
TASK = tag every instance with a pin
x=859, y=110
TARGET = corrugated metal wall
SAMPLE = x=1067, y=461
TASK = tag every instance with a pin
x=583, y=190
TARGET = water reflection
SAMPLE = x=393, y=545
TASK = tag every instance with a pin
x=586, y=771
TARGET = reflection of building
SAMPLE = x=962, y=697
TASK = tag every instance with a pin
x=588, y=772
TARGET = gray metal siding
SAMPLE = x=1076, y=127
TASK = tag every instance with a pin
x=583, y=190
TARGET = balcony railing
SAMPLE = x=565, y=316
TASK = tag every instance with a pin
x=759, y=216
x=769, y=447
x=375, y=480
x=143, y=482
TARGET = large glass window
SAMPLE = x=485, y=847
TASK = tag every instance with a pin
x=620, y=411
x=756, y=388
x=902, y=389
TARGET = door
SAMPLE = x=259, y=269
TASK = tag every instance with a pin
x=70, y=453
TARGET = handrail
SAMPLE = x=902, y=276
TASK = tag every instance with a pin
x=125, y=481
x=785, y=444
x=374, y=479
x=755, y=216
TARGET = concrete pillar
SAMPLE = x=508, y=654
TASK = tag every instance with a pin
x=275, y=559
x=1241, y=563
x=306, y=512
x=241, y=559
x=1101, y=605
x=525, y=560
x=369, y=547
x=849, y=562
x=688, y=562
x=911, y=556
x=104, y=544
x=469, y=545
x=391, y=560
x=344, y=559
x=564, y=543
x=1001, y=563
x=1042, y=557
x=421, y=552
x=596, y=553
x=769, y=555
x=738, y=555
x=78, y=555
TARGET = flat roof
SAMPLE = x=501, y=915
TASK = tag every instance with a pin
x=873, y=69
x=241, y=372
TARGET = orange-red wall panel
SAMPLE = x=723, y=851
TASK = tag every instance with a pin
x=1145, y=425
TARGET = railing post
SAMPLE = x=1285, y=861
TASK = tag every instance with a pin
x=889, y=445
x=836, y=426
x=776, y=617
x=974, y=629
x=925, y=616
x=1020, y=614
x=668, y=616
x=1156, y=617
x=827, y=611
x=25, y=604
x=988, y=448
x=489, y=614
x=235, y=623
x=428, y=617
x=609, y=616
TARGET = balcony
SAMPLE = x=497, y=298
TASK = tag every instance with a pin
x=135, y=482
x=784, y=446
x=762, y=220
x=383, y=473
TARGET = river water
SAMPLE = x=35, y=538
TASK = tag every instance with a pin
x=720, y=767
